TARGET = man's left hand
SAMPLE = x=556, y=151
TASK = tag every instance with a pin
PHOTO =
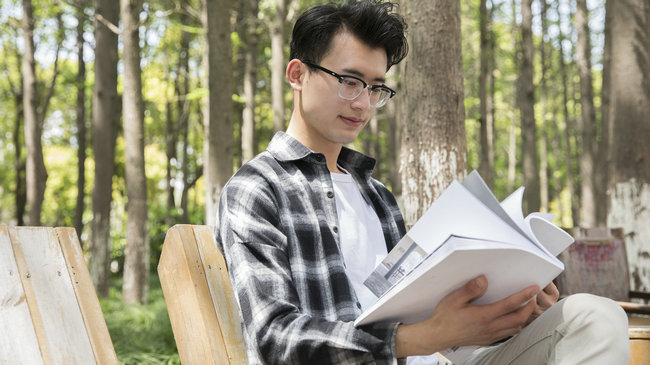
x=545, y=299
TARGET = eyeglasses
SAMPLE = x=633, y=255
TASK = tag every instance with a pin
x=350, y=87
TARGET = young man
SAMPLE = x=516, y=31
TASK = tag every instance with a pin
x=303, y=224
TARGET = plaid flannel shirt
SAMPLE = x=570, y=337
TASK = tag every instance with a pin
x=277, y=228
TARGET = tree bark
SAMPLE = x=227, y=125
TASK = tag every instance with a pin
x=136, y=255
x=527, y=107
x=106, y=105
x=433, y=146
x=36, y=175
x=629, y=113
x=278, y=64
x=81, y=122
x=218, y=129
x=583, y=58
x=568, y=154
x=605, y=146
x=486, y=165
x=543, y=158
x=250, y=80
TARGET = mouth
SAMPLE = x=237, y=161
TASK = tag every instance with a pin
x=352, y=121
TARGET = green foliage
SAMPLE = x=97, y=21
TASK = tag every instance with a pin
x=141, y=334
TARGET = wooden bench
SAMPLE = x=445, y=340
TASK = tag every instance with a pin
x=49, y=312
x=202, y=308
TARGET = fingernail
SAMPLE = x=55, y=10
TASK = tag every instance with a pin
x=479, y=283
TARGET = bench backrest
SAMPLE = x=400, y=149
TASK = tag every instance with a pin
x=49, y=312
x=202, y=308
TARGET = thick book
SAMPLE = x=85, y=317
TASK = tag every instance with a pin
x=465, y=233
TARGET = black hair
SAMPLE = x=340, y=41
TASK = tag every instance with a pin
x=372, y=21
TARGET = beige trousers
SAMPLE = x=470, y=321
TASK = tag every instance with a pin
x=580, y=329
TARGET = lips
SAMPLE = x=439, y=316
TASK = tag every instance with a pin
x=352, y=121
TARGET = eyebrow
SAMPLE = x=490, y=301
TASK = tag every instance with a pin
x=361, y=75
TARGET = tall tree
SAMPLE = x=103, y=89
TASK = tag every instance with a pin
x=527, y=109
x=543, y=155
x=566, y=121
x=433, y=145
x=106, y=111
x=583, y=58
x=629, y=113
x=136, y=255
x=250, y=80
x=81, y=119
x=603, y=151
x=486, y=165
x=277, y=63
x=35, y=112
x=218, y=129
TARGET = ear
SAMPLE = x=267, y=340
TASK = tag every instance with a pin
x=295, y=72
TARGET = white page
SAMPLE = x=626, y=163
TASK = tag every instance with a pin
x=554, y=239
x=458, y=212
x=477, y=186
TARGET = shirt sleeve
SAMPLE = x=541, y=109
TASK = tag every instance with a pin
x=276, y=330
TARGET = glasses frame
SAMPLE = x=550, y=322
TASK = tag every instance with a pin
x=365, y=85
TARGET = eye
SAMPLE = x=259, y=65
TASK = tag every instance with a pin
x=350, y=82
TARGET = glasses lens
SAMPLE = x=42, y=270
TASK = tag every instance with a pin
x=379, y=97
x=350, y=88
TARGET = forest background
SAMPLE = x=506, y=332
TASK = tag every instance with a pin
x=173, y=96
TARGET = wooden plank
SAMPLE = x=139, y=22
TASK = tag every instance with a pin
x=222, y=294
x=86, y=296
x=61, y=331
x=18, y=342
x=34, y=312
x=189, y=305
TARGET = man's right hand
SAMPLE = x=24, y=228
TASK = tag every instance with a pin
x=458, y=322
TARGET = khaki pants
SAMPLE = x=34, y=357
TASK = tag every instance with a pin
x=580, y=329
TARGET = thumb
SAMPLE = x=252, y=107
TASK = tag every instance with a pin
x=470, y=291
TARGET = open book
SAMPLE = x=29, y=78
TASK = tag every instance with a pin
x=465, y=233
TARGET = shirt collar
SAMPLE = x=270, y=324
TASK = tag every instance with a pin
x=284, y=147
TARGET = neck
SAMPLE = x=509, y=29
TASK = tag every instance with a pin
x=329, y=149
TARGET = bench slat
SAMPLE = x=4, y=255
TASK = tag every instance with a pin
x=203, y=321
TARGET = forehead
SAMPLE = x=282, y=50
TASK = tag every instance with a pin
x=346, y=51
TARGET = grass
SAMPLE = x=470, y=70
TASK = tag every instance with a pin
x=141, y=334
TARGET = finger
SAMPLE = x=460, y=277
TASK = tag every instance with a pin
x=470, y=291
x=513, y=302
x=552, y=291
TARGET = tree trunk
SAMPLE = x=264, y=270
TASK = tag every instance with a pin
x=543, y=158
x=36, y=175
x=278, y=64
x=106, y=105
x=583, y=58
x=527, y=108
x=629, y=112
x=81, y=122
x=486, y=165
x=136, y=255
x=433, y=147
x=250, y=79
x=218, y=129
x=20, y=192
x=568, y=155
x=394, y=137
x=605, y=146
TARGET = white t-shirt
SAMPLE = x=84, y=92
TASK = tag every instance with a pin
x=362, y=243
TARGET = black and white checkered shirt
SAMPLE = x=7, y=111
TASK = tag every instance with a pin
x=277, y=228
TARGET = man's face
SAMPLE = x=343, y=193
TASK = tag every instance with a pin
x=329, y=119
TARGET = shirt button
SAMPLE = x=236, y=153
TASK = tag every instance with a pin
x=358, y=305
x=330, y=194
x=335, y=229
